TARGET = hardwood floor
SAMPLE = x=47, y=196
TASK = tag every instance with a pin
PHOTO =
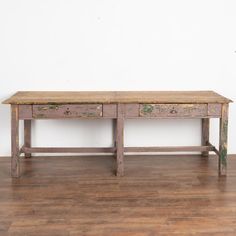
x=159, y=195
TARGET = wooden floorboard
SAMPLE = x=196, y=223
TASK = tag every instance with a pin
x=159, y=195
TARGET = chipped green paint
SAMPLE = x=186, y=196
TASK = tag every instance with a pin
x=52, y=106
x=45, y=108
x=42, y=108
x=147, y=108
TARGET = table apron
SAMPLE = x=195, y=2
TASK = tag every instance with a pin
x=98, y=111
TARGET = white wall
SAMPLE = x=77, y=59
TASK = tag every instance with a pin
x=117, y=45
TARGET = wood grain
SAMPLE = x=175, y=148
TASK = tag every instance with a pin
x=223, y=141
x=15, y=152
x=67, y=111
x=98, y=150
x=132, y=110
x=109, y=110
x=25, y=112
x=160, y=195
x=170, y=149
x=120, y=139
x=205, y=134
x=214, y=110
x=27, y=136
x=68, y=149
x=70, y=97
x=173, y=110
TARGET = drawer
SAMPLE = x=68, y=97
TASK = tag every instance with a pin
x=173, y=110
x=67, y=111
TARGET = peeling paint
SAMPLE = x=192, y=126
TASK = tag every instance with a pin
x=53, y=106
x=42, y=108
x=45, y=108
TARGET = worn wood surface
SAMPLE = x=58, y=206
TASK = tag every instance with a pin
x=132, y=110
x=68, y=149
x=53, y=97
x=170, y=149
x=25, y=112
x=173, y=110
x=109, y=110
x=113, y=149
x=214, y=110
x=120, y=139
x=27, y=136
x=15, y=158
x=80, y=196
x=67, y=111
x=205, y=134
x=223, y=140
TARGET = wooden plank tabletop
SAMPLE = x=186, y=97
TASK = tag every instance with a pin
x=72, y=97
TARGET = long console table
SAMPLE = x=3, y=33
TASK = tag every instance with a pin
x=30, y=105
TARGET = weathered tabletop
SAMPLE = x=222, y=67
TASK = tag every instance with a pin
x=72, y=97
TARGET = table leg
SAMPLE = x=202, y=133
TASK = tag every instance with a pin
x=223, y=140
x=205, y=134
x=27, y=136
x=114, y=134
x=15, y=154
x=120, y=140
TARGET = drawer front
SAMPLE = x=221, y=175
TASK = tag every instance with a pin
x=67, y=111
x=173, y=110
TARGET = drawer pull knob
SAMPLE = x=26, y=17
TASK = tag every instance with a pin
x=67, y=112
x=173, y=111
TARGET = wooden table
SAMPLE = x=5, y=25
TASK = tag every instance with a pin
x=118, y=106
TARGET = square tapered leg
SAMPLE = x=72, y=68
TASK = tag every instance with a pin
x=120, y=140
x=223, y=141
x=205, y=134
x=15, y=154
x=27, y=136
